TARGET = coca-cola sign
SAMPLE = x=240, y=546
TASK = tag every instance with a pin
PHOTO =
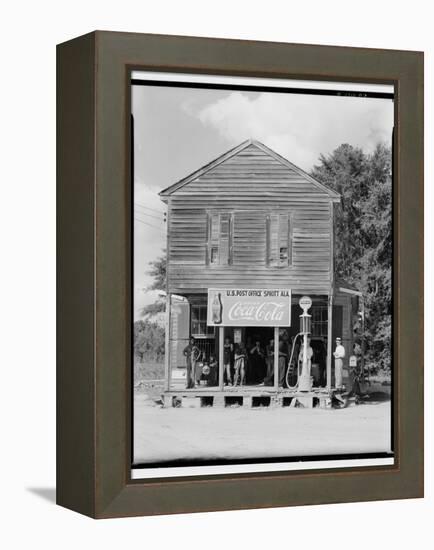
x=249, y=307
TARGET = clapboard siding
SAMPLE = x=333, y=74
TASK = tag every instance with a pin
x=311, y=246
x=251, y=186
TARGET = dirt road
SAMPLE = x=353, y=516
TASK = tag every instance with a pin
x=222, y=433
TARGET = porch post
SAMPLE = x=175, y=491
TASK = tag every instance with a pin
x=363, y=346
x=167, y=344
x=329, y=340
x=276, y=358
x=221, y=357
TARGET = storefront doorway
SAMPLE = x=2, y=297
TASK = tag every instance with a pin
x=256, y=343
x=263, y=335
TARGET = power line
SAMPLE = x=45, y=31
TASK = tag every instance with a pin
x=150, y=225
x=137, y=203
x=150, y=215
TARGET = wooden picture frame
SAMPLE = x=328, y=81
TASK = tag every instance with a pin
x=94, y=289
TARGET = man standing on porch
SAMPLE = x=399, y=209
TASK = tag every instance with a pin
x=191, y=353
x=339, y=355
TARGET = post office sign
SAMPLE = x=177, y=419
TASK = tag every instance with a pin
x=249, y=307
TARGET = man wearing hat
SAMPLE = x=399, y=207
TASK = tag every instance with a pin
x=339, y=355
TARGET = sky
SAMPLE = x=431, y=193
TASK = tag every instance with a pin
x=178, y=130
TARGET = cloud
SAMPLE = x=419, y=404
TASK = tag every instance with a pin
x=300, y=127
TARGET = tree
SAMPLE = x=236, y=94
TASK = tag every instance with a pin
x=363, y=234
x=149, y=335
x=376, y=227
x=344, y=171
x=157, y=269
x=148, y=341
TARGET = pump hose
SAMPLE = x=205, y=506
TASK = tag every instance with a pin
x=289, y=365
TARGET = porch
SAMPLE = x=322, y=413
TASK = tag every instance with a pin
x=332, y=316
x=251, y=396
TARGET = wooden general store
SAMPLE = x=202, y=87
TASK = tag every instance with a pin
x=256, y=231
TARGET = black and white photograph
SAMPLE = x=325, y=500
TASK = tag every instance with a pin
x=217, y=230
x=262, y=274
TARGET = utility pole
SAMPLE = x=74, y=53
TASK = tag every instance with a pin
x=362, y=326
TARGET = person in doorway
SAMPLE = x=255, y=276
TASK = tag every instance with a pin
x=339, y=355
x=256, y=364
x=249, y=345
x=228, y=349
x=240, y=364
x=283, y=363
x=286, y=341
x=191, y=353
x=213, y=371
x=269, y=359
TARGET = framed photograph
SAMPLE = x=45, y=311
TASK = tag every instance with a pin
x=240, y=274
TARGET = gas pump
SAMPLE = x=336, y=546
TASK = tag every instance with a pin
x=305, y=381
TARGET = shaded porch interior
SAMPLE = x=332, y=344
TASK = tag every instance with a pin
x=188, y=319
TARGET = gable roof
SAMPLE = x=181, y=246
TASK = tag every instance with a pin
x=335, y=197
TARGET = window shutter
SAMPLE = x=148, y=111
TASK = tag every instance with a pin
x=274, y=238
x=219, y=238
x=278, y=239
x=212, y=254
x=225, y=238
x=283, y=252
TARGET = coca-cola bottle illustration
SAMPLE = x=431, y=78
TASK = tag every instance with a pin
x=217, y=309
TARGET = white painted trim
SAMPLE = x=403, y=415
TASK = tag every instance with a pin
x=148, y=473
x=268, y=82
x=349, y=291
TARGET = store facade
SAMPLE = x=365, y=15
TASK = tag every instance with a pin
x=249, y=235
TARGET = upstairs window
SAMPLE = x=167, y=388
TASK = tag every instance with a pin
x=220, y=238
x=279, y=251
x=214, y=256
x=283, y=254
